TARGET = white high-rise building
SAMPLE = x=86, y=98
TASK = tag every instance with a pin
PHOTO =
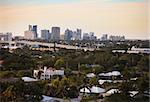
x=77, y=35
x=29, y=35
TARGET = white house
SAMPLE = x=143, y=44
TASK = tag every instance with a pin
x=47, y=73
x=139, y=50
x=90, y=75
x=28, y=79
x=110, y=92
x=103, y=81
x=93, y=90
x=113, y=73
x=51, y=99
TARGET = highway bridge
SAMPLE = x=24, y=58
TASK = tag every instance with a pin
x=15, y=44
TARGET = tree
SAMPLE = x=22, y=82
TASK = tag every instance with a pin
x=23, y=73
x=93, y=81
x=143, y=84
x=52, y=89
x=144, y=63
x=7, y=74
x=98, y=70
x=59, y=63
x=117, y=97
x=9, y=93
x=125, y=87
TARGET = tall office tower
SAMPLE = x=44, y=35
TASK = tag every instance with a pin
x=55, y=33
x=35, y=30
x=45, y=34
x=68, y=35
x=79, y=32
x=6, y=37
x=30, y=27
x=74, y=35
x=104, y=37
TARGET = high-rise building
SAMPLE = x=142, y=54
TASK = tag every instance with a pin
x=79, y=32
x=104, y=37
x=30, y=27
x=92, y=36
x=6, y=37
x=68, y=35
x=34, y=28
x=89, y=36
x=55, y=34
x=45, y=34
x=86, y=36
x=31, y=33
x=74, y=35
x=116, y=38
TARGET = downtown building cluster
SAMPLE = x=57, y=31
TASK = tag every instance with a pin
x=112, y=38
x=55, y=35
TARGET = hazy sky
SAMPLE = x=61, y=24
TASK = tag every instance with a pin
x=116, y=17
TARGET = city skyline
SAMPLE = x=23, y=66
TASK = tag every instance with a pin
x=113, y=17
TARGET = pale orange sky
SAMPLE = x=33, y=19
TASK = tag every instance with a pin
x=123, y=18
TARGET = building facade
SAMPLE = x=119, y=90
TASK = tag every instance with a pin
x=46, y=74
x=31, y=33
x=104, y=37
x=68, y=35
x=116, y=38
x=6, y=36
x=45, y=34
x=55, y=34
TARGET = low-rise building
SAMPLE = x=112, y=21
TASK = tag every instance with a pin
x=47, y=73
x=139, y=50
x=92, y=90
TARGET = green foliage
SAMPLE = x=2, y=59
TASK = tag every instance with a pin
x=93, y=81
x=20, y=59
x=63, y=88
x=23, y=73
x=143, y=84
x=117, y=98
x=144, y=63
x=59, y=63
x=98, y=69
x=20, y=92
x=7, y=74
